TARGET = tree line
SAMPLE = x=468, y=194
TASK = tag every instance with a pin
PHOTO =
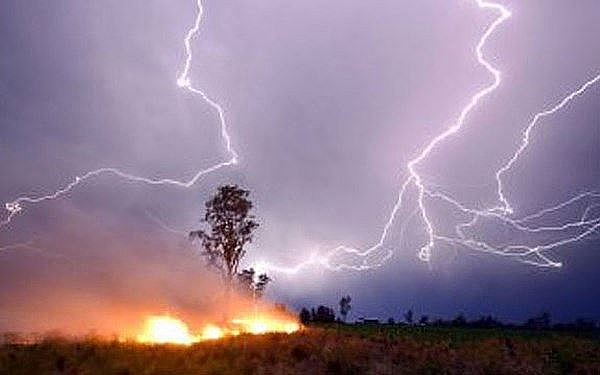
x=323, y=314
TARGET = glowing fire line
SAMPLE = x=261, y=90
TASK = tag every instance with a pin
x=168, y=330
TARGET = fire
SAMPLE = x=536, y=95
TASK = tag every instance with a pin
x=212, y=332
x=260, y=325
x=169, y=330
x=163, y=330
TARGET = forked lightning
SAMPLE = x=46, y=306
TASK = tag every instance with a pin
x=346, y=257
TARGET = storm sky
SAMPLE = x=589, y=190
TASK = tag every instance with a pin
x=326, y=102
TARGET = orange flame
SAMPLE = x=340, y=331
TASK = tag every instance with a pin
x=211, y=332
x=163, y=330
x=168, y=330
x=260, y=325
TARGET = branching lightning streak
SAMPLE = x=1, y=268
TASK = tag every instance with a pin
x=23, y=245
x=502, y=212
x=505, y=207
x=425, y=253
x=376, y=255
x=31, y=246
x=164, y=226
x=183, y=80
x=414, y=178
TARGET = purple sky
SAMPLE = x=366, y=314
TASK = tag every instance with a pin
x=326, y=103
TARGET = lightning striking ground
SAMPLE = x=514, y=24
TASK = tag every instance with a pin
x=183, y=80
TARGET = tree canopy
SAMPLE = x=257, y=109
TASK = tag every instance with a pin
x=345, y=306
x=231, y=226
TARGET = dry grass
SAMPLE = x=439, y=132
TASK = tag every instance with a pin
x=337, y=350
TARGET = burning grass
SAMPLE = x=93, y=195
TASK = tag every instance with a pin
x=169, y=330
x=338, y=349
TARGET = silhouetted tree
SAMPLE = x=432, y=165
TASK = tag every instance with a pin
x=323, y=314
x=305, y=316
x=345, y=306
x=251, y=283
x=459, y=320
x=424, y=320
x=439, y=322
x=486, y=322
x=231, y=227
x=583, y=324
x=409, y=316
x=541, y=321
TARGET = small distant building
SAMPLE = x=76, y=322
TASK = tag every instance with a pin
x=368, y=321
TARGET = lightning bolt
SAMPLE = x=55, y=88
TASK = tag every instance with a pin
x=504, y=14
x=503, y=211
x=183, y=80
x=162, y=225
x=375, y=256
x=29, y=245
x=505, y=205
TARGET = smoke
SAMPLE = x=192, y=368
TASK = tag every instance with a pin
x=108, y=278
x=326, y=102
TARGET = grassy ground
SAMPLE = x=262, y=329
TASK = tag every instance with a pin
x=334, y=350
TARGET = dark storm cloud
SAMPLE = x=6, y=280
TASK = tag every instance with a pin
x=326, y=102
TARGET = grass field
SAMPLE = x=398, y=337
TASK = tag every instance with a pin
x=322, y=350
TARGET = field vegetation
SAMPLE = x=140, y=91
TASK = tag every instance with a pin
x=326, y=349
